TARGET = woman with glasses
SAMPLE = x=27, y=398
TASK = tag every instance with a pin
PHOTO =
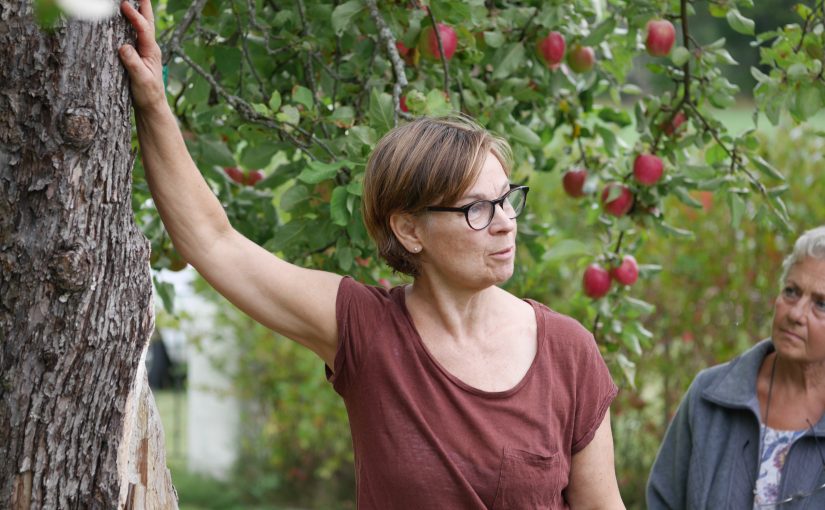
x=459, y=394
x=751, y=433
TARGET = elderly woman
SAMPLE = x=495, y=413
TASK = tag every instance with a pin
x=459, y=394
x=751, y=433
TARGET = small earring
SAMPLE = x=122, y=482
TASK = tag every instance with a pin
x=416, y=249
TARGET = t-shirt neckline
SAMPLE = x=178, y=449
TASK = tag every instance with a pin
x=399, y=295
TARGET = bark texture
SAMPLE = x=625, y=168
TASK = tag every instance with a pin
x=77, y=428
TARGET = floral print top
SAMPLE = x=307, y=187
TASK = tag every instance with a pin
x=775, y=447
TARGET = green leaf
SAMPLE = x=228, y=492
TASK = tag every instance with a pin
x=598, y=34
x=257, y=156
x=343, y=116
x=716, y=154
x=289, y=115
x=343, y=15
x=639, y=306
x=740, y=23
x=294, y=196
x=285, y=236
x=214, y=152
x=338, y=207
x=508, y=59
x=628, y=368
x=302, y=95
x=737, y=209
x=525, y=135
x=672, y=231
x=494, y=39
x=766, y=168
x=680, y=56
x=275, y=101
x=565, y=249
x=685, y=197
x=382, y=112
x=808, y=101
x=345, y=257
x=436, y=104
x=166, y=292
x=619, y=117
x=318, y=171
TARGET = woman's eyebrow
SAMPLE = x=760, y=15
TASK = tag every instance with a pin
x=479, y=196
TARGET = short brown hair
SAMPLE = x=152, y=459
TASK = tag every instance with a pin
x=428, y=161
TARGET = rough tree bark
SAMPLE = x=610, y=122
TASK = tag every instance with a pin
x=78, y=425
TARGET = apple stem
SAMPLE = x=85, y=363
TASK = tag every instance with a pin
x=583, y=158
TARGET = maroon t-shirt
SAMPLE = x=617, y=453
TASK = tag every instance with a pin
x=423, y=439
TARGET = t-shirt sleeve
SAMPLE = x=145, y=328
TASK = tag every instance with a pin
x=358, y=310
x=594, y=393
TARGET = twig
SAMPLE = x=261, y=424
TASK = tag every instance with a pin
x=385, y=34
x=248, y=57
x=191, y=15
x=308, y=69
x=442, y=56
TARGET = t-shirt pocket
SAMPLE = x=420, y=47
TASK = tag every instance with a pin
x=528, y=481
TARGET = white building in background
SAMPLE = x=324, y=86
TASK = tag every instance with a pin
x=212, y=414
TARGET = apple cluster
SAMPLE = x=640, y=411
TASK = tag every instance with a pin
x=597, y=280
x=552, y=47
x=250, y=178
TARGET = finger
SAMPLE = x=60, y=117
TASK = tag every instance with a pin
x=130, y=58
x=146, y=10
x=144, y=29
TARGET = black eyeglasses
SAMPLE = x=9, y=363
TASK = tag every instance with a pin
x=479, y=214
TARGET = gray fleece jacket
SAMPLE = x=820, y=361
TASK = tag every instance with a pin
x=708, y=459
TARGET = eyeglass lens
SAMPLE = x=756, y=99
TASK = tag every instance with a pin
x=481, y=213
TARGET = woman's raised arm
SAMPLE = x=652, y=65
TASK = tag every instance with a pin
x=296, y=302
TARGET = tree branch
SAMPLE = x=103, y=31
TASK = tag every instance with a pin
x=442, y=56
x=246, y=110
x=385, y=34
x=191, y=15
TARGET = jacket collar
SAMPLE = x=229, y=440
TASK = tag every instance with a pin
x=736, y=387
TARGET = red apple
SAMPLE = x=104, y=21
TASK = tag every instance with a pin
x=384, y=283
x=581, y=58
x=363, y=261
x=234, y=173
x=449, y=40
x=671, y=127
x=402, y=50
x=628, y=271
x=551, y=48
x=648, y=169
x=403, y=103
x=573, y=182
x=254, y=177
x=620, y=205
x=660, y=37
x=596, y=281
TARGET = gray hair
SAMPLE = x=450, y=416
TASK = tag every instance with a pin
x=809, y=244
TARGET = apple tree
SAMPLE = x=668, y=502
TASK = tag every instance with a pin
x=281, y=104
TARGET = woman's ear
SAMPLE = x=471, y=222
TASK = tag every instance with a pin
x=407, y=229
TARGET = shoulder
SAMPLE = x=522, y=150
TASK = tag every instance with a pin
x=563, y=330
x=351, y=291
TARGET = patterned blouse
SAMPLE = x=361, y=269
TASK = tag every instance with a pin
x=775, y=447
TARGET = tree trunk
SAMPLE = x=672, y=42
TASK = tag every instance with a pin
x=78, y=425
